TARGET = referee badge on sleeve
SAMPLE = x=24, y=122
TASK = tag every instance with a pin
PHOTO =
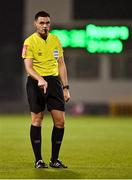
x=24, y=50
x=56, y=54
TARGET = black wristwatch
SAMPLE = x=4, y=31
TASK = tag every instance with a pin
x=66, y=87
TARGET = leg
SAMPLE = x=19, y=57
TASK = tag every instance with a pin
x=57, y=133
x=58, y=118
x=57, y=136
x=56, y=106
x=35, y=134
x=37, y=105
x=37, y=118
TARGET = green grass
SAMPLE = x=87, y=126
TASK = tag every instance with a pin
x=93, y=148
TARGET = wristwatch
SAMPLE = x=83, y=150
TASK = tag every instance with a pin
x=66, y=87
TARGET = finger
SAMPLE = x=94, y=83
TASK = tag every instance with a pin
x=67, y=99
x=44, y=90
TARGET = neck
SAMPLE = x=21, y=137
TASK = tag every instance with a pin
x=43, y=36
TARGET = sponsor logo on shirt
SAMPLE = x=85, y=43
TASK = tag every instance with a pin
x=39, y=53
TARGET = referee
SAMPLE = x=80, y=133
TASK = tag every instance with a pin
x=47, y=86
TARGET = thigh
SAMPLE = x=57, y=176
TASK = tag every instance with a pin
x=55, y=100
x=35, y=96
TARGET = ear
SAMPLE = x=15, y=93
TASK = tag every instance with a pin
x=34, y=24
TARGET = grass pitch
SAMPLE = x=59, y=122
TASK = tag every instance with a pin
x=93, y=148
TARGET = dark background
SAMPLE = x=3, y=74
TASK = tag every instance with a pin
x=104, y=9
x=11, y=40
x=11, y=21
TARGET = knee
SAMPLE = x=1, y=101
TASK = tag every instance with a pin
x=59, y=123
x=37, y=120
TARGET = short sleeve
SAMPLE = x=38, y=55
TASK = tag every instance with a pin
x=60, y=48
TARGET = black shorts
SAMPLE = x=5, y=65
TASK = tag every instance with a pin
x=53, y=99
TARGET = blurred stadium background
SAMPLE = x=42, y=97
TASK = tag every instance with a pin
x=97, y=139
x=100, y=83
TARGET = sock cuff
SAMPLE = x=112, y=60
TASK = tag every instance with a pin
x=37, y=127
x=59, y=129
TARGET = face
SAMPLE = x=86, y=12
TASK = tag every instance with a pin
x=42, y=25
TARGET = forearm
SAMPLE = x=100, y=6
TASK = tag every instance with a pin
x=64, y=79
x=30, y=71
x=63, y=73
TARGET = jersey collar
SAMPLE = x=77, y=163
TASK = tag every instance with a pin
x=49, y=34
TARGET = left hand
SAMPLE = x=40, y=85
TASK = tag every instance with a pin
x=66, y=94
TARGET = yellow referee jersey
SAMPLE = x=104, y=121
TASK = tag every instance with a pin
x=44, y=53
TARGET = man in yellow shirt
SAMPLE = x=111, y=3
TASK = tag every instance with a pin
x=47, y=85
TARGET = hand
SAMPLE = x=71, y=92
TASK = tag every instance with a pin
x=66, y=94
x=43, y=84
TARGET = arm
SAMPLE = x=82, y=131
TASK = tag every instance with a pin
x=63, y=77
x=28, y=63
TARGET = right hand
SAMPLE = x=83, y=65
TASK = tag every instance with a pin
x=43, y=84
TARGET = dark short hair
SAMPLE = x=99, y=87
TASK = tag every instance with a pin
x=41, y=14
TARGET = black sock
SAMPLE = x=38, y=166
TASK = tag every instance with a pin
x=35, y=136
x=57, y=136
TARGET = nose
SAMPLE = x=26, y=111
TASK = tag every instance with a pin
x=45, y=25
